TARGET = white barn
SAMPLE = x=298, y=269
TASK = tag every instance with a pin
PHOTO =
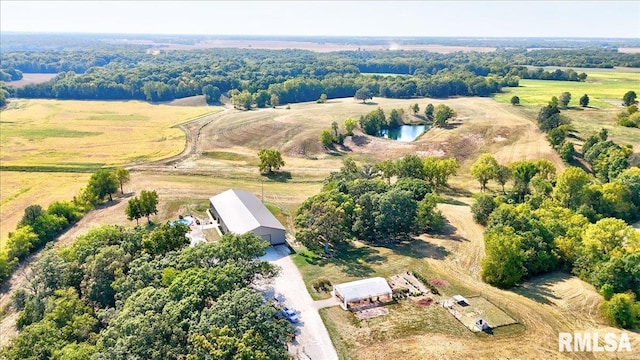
x=370, y=291
x=240, y=212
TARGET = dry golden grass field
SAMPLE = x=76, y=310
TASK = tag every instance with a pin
x=51, y=142
x=90, y=134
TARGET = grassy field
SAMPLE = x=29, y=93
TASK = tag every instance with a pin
x=605, y=89
x=47, y=141
x=63, y=135
x=21, y=189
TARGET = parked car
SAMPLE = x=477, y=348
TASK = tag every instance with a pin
x=290, y=314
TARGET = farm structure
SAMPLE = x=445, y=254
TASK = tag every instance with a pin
x=362, y=294
x=239, y=212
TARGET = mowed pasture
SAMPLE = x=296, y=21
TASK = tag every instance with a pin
x=85, y=135
x=605, y=89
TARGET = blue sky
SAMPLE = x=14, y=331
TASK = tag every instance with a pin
x=331, y=18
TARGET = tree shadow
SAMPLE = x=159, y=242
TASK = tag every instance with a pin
x=418, y=249
x=354, y=261
x=452, y=201
x=279, y=176
x=455, y=191
x=370, y=103
x=360, y=140
x=451, y=125
x=539, y=288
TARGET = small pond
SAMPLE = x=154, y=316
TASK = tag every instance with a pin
x=404, y=132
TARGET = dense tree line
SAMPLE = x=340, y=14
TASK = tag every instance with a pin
x=39, y=226
x=132, y=72
x=362, y=203
x=573, y=222
x=120, y=293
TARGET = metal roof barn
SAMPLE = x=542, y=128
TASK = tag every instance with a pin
x=240, y=212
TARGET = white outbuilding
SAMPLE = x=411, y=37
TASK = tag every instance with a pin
x=240, y=212
x=365, y=292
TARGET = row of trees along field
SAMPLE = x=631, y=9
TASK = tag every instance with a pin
x=123, y=293
x=605, y=158
x=38, y=226
x=361, y=203
x=290, y=75
x=574, y=222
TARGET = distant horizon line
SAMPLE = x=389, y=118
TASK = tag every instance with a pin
x=321, y=36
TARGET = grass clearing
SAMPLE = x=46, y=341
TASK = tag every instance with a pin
x=42, y=133
x=605, y=90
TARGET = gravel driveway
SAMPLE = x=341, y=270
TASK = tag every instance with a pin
x=312, y=339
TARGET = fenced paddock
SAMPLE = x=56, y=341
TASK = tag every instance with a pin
x=479, y=307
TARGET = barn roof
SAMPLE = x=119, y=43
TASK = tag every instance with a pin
x=242, y=211
x=363, y=289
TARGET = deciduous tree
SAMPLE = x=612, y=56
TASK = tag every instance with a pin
x=410, y=166
x=515, y=100
x=102, y=183
x=133, y=209
x=270, y=159
x=564, y=99
x=123, y=177
x=428, y=112
x=148, y=203
x=363, y=94
x=387, y=168
x=442, y=115
x=484, y=169
x=503, y=264
x=274, y=101
x=326, y=138
x=629, y=98
x=350, y=125
x=584, y=100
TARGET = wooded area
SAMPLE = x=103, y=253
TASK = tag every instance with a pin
x=122, y=72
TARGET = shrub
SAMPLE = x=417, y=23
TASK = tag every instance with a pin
x=322, y=285
x=426, y=283
x=482, y=208
x=621, y=311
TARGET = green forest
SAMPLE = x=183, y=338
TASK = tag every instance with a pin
x=112, y=71
x=122, y=293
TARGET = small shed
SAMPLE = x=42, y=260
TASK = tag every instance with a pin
x=363, y=293
x=240, y=212
x=460, y=300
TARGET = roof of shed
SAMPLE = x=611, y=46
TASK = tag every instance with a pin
x=242, y=211
x=363, y=289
